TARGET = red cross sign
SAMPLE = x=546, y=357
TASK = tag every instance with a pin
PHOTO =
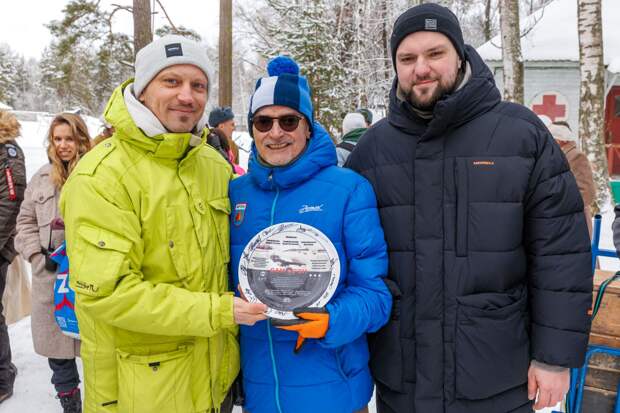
x=553, y=105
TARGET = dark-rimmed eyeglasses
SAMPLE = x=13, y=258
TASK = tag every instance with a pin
x=287, y=123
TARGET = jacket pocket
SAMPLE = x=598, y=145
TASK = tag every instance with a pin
x=220, y=210
x=155, y=383
x=462, y=206
x=44, y=206
x=492, y=344
x=98, y=259
x=178, y=240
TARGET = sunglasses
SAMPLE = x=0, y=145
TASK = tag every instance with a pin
x=288, y=123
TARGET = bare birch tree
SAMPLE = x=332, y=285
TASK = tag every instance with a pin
x=591, y=108
x=511, y=50
x=142, y=33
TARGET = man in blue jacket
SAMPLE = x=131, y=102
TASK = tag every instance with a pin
x=486, y=236
x=293, y=177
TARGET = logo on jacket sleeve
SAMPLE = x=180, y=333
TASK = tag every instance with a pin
x=239, y=213
x=11, y=150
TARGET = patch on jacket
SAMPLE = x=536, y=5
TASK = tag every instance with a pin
x=311, y=208
x=239, y=213
x=11, y=150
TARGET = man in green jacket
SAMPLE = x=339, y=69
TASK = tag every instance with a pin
x=146, y=216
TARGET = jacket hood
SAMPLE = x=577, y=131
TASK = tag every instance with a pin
x=9, y=127
x=165, y=145
x=320, y=153
x=476, y=97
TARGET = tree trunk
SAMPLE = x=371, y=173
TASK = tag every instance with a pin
x=142, y=34
x=487, y=21
x=591, y=96
x=225, y=81
x=511, y=50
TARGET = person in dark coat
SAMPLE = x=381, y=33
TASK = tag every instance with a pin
x=12, y=187
x=488, y=245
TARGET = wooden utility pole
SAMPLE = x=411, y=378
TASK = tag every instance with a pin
x=142, y=33
x=511, y=50
x=225, y=53
x=592, y=94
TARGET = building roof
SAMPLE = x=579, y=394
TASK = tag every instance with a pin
x=554, y=35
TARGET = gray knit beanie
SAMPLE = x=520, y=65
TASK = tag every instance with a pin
x=165, y=52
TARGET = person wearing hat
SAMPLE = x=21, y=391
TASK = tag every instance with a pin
x=222, y=122
x=367, y=114
x=147, y=240
x=486, y=235
x=579, y=166
x=317, y=362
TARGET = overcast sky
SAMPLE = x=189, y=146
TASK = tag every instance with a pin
x=22, y=21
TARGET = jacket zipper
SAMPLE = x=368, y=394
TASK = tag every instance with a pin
x=271, y=350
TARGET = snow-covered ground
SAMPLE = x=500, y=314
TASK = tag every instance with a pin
x=33, y=392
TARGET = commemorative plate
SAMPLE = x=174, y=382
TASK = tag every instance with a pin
x=289, y=265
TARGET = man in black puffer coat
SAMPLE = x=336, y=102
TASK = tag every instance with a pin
x=489, y=250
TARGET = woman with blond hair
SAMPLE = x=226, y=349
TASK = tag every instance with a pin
x=39, y=232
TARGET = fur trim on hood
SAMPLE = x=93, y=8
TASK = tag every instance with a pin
x=9, y=127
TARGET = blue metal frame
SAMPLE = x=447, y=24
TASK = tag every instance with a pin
x=578, y=376
x=592, y=350
x=596, y=237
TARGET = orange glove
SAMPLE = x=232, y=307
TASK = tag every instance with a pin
x=313, y=323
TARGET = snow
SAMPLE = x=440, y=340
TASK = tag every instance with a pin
x=614, y=66
x=4, y=106
x=554, y=36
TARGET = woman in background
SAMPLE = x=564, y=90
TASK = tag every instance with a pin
x=38, y=235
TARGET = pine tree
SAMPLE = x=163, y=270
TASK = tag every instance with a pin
x=86, y=59
x=9, y=76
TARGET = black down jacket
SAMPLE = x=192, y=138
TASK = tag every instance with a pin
x=489, y=255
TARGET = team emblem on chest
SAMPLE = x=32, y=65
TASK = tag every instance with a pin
x=239, y=213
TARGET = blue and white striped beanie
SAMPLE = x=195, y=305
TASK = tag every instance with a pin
x=284, y=87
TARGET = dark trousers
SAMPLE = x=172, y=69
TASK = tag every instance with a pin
x=227, y=405
x=7, y=369
x=65, y=376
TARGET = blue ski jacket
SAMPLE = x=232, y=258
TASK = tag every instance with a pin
x=330, y=375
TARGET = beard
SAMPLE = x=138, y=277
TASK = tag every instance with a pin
x=425, y=102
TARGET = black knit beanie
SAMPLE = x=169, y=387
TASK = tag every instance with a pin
x=428, y=17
